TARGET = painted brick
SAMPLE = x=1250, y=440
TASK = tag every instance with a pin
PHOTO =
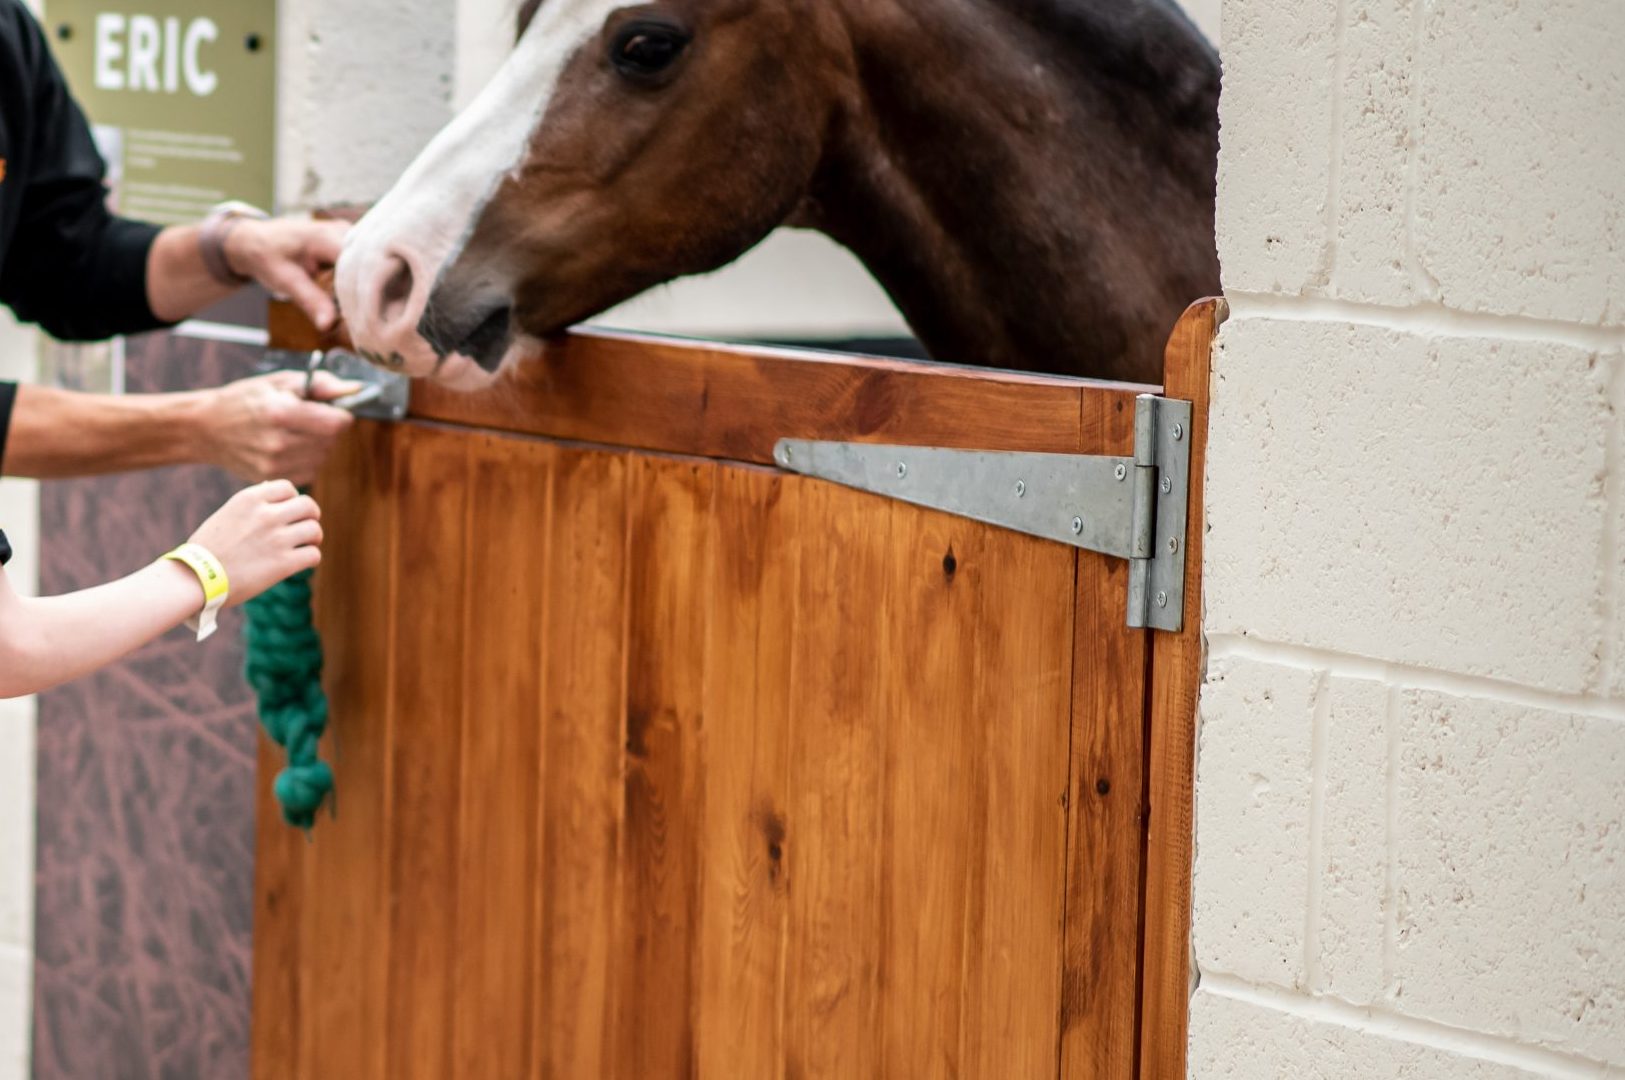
x=1372, y=257
x=16, y=823
x=1511, y=872
x=1253, y=791
x=1520, y=207
x=1352, y=870
x=16, y=994
x=1275, y=152
x=1616, y=483
x=1239, y=1040
x=1435, y=501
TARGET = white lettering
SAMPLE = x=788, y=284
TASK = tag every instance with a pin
x=200, y=82
x=172, y=55
x=145, y=43
x=109, y=51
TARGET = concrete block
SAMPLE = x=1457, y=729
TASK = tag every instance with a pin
x=1352, y=868
x=1616, y=488
x=1519, y=204
x=1511, y=872
x=358, y=107
x=1275, y=146
x=17, y=823
x=1252, y=821
x=1241, y=1040
x=16, y=1011
x=1372, y=258
x=1432, y=501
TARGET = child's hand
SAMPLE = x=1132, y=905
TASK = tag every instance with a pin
x=265, y=534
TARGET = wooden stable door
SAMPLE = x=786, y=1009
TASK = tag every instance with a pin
x=657, y=762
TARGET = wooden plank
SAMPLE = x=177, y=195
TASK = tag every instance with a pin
x=745, y=894
x=278, y=899
x=736, y=402
x=345, y=941
x=1100, y=1001
x=434, y=552
x=509, y=501
x=934, y=563
x=832, y=992
x=577, y=892
x=1176, y=679
x=1023, y=637
x=665, y=665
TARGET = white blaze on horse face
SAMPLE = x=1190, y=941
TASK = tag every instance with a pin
x=427, y=217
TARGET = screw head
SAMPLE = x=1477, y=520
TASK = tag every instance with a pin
x=1162, y=599
x=1122, y=471
x=1077, y=526
x=902, y=469
x=1167, y=486
x=1173, y=545
x=1021, y=488
x=1179, y=432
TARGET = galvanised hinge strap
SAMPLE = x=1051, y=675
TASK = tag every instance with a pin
x=1129, y=507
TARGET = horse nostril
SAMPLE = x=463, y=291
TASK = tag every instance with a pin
x=397, y=291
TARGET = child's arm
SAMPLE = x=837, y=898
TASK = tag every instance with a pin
x=263, y=535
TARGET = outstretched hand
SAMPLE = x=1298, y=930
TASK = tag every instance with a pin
x=264, y=429
x=286, y=255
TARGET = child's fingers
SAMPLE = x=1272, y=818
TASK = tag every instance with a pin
x=306, y=532
x=277, y=491
x=298, y=508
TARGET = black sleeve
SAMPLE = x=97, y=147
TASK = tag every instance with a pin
x=8, y=398
x=72, y=267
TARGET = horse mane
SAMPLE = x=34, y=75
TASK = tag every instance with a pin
x=1150, y=47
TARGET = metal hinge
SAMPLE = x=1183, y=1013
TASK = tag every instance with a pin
x=384, y=395
x=1134, y=508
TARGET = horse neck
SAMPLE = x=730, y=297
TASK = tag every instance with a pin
x=1031, y=180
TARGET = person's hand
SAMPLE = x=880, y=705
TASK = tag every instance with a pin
x=263, y=535
x=285, y=255
x=262, y=429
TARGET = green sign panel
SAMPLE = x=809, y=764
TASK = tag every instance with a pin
x=182, y=94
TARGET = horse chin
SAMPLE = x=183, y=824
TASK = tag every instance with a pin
x=463, y=374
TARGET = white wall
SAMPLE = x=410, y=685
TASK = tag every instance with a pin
x=1411, y=795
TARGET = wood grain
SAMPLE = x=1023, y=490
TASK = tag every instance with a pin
x=755, y=558
x=345, y=942
x=502, y=766
x=278, y=898
x=1100, y=1000
x=664, y=773
x=433, y=547
x=832, y=991
x=1176, y=679
x=1023, y=639
x=577, y=889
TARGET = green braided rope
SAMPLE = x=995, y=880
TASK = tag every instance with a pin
x=285, y=669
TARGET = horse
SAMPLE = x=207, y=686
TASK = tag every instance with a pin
x=1032, y=181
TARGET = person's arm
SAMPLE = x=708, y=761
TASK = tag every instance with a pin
x=264, y=534
x=284, y=255
x=258, y=429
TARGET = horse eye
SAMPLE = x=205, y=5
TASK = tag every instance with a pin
x=644, y=50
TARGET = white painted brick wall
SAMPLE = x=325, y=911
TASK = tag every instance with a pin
x=1411, y=776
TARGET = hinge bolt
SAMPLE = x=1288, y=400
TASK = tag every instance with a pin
x=902, y=469
x=1167, y=485
x=1173, y=545
x=1122, y=471
x=1162, y=599
x=1179, y=432
x=1077, y=526
x=1021, y=488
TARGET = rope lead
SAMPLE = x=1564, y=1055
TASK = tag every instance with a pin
x=284, y=666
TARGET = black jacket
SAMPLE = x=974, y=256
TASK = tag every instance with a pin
x=66, y=263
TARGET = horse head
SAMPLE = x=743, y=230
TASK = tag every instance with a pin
x=620, y=146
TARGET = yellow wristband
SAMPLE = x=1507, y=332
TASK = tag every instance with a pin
x=211, y=574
